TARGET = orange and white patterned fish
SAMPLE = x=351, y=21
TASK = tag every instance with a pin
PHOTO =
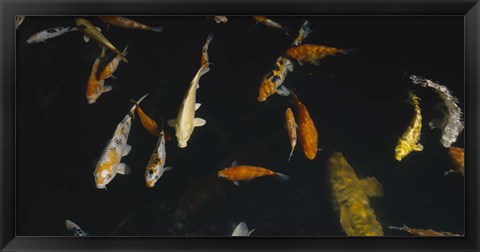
x=128, y=23
x=155, y=167
x=109, y=163
x=291, y=129
x=95, y=86
x=107, y=67
x=313, y=53
x=237, y=173
x=272, y=81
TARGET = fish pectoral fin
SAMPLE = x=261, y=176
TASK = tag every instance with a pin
x=283, y=91
x=127, y=150
x=418, y=147
x=86, y=39
x=197, y=105
x=371, y=186
x=113, y=77
x=98, y=29
x=251, y=231
x=107, y=89
x=199, y=122
x=236, y=183
x=172, y=122
x=235, y=163
x=123, y=169
x=168, y=168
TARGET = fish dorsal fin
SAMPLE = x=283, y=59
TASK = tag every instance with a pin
x=371, y=187
x=172, y=123
x=86, y=39
x=198, y=122
x=98, y=29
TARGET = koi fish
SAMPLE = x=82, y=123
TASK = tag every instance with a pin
x=350, y=198
x=155, y=167
x=92, y=32
x=302, y=33
x=423, y=232
x=186, y=121
x=18, y=21
x=292, y=130
x=49, y=33
x=95, y=86
x=306, y=129
x=148, y=123
x=451, y=123
x=270, y=23
x=128, y=23
x=109, y=164
x=272, y=82
x=458, y=158
x=220, y=19
x=242, y=230
x=409, y=141
x=313, y=53
x=237, y=173
x=109, y=66
x=204, y=58
x=74, y=229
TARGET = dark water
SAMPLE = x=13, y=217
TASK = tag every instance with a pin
x=357, y=103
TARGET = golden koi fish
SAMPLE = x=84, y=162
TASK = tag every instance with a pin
x=409, y=141
x=313, y=53
x=270, y=23
x=423, y=232
x=155, y=167
x=204, y=58
x=148, y=123
x=272, y=82
x=306, y=129
x=291, y=129
x=350, y=198
x=128, y=23
x=458, y=158
x=237, y=173
x=92, y=32
x=109, y=163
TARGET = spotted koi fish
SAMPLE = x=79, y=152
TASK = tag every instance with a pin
x=109, y=164
x=458, y=158
x=272, y=82
x=49, y=33
x=306, y=129
x=155, y=167
x=313, y=53
x=423, y=232
x=270, y=23
x=409, y=141
x=237, y=173
x=128, y=23
x=291, y=129
x=204, y=58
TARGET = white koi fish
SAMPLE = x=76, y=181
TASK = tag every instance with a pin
x=242, y=230
x=74, y=229
x=109, y=164
x=155, y=167
x=186, y=121
x=49, y=33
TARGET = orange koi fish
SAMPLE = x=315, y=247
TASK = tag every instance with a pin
x=272, y=81
x=423, y=232
x=270, y=23
x=237, y=173
x=313, y=53
x=292, y=130
x=109, y=67
x=95, y=86
x=128, y=23
x=458, y=158
x=204, y=58
x=148, y=123
x=306, y=128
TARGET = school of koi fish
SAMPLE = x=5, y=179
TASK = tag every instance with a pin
x=350, y=194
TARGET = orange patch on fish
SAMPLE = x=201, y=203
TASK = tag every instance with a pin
x=312, y=53
x=148, y=123
x=244, y=173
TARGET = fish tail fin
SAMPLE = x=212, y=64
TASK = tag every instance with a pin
x=398, y=228
x=157, y=29
x=448, y=172
x=291, y=154
x=294, y=98
x=348, y=51
x=209, y=38
x=124, y=53
x=136, y=103
x=282, y=177
x=204, y=69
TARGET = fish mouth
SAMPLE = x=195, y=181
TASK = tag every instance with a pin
x=150, y=184
x=91, y=100
x=100, y=186
x=182, y=144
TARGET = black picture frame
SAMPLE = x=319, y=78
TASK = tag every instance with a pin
x=9, y=8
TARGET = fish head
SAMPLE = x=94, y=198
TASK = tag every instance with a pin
x=33, y=39
x=221, y=174
x=151, y=176
x=93, y=91
x=183, y=135
x=81, y=22
x=103, y=176
x=266, y=89
x=400, y=152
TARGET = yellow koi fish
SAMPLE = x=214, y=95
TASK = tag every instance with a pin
x=92, y=32
x=291, y=129
x=409, y=141
x=109, y=164
x=350, y=198
x=272, y=82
